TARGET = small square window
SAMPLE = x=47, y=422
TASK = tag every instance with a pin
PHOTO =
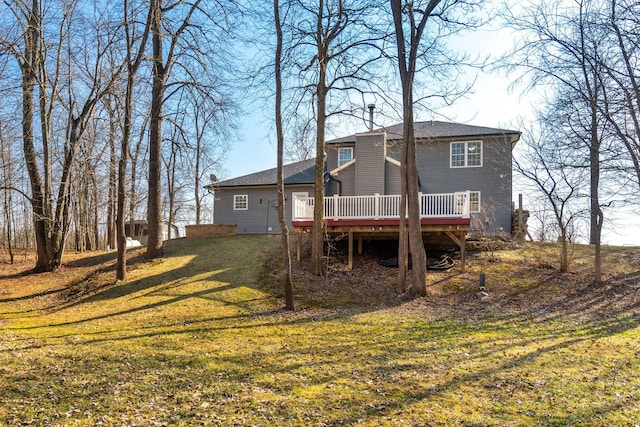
x=240, y=202
x=345, y=155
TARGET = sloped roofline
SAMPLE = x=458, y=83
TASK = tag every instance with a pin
x=437, y=129
x=302, y=172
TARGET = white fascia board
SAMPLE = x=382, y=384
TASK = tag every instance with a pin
x=392, y=161
x=343, y=167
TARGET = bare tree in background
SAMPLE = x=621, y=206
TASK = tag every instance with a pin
x=548, y=169
x=132, y=62
x=7, y=189
x=577, y=51
x=84, y=89
x=186, y=34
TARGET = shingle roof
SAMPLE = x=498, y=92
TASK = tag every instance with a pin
x=436, y=129
x=302, y=172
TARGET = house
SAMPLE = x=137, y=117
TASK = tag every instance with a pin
x=464, y=174
x=250, y=201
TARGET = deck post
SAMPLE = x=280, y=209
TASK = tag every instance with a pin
x=463, y=251
x=359, y=244
x=350, y=250
x=376, y=206
x=298, y=245
x=459, y=239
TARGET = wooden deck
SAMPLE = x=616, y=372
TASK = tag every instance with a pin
x=454, y=223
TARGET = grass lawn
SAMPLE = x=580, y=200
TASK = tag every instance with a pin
x=197, y=338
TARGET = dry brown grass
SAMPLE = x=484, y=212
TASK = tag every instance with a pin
x=198, y=338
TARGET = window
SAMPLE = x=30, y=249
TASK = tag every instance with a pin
x=466, y=154
x=240, y=202
x=344, y=155
x=474, y=201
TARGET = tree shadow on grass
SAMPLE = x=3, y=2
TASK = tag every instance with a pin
x=227, y=271
x=336, y=346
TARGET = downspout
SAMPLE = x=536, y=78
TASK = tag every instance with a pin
x=328, y=178
x=212, y=191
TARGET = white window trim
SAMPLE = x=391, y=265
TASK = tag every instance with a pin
x=236, y=197
x=466, y=154
x=350, y=149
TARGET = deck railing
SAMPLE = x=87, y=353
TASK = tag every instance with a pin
x=378, y=206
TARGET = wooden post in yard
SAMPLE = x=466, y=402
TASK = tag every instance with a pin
x=520, y=227
x=463, y=251
x=350, y=250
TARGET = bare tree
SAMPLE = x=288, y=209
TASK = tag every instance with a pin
x=547, y=167
x=284, y=230
x=33, y=56
x=565, y=49
x=132, y=65
x=7, y=189
x=415, y=43
x=332, y=46
x=621, y=98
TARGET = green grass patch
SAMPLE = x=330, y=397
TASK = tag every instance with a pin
x=198, y=338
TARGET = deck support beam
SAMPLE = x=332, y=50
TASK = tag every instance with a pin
x=460, y=240
x=350, y=265
x=359, y=244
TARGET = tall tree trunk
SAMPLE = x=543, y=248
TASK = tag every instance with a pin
x=284, y=230
x=407, y=55
x=416, y=244
x=596, y=214
x=317, y=244
x=28, y=68
x=112, y=191
x=132, y=69
x=154, y=200
x=197, y=177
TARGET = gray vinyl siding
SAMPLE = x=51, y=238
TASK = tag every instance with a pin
x=370, y=163
x=394, y=150
x=332, y=157
x=492, y=179
x=261, y=215
x=392, y=179
x=347, y=178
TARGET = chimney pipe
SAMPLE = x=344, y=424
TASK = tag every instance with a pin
x=371, y=108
